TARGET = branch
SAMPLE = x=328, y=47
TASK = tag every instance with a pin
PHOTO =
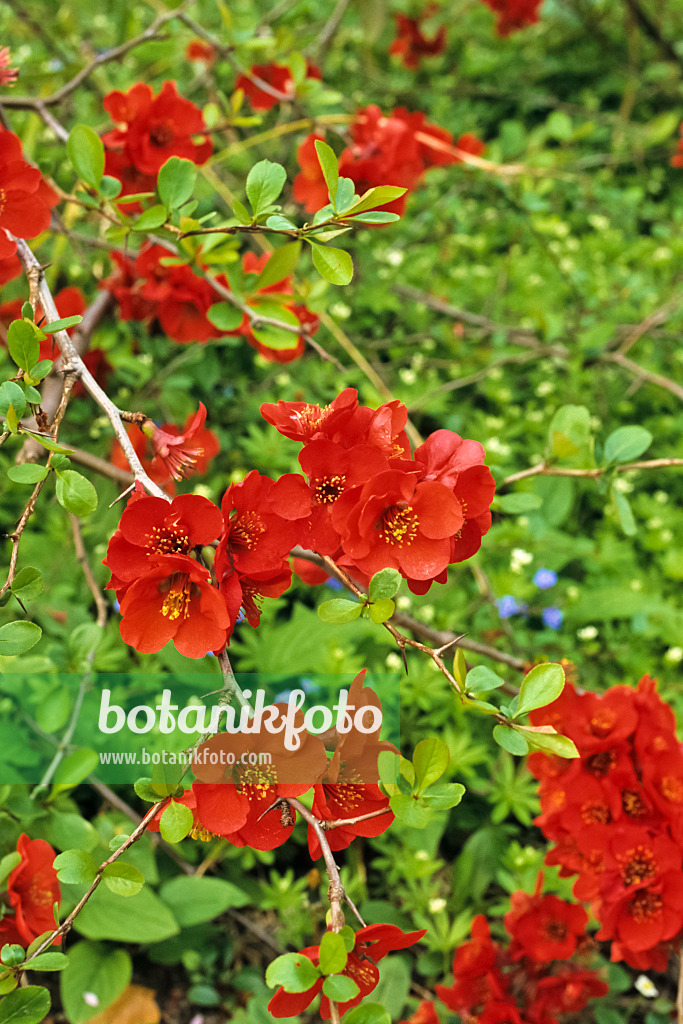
x=72, y=362
x=638, y=371
x=652, y=31
x=542, y=469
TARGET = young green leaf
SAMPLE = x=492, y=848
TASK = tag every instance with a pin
x=123, y=879
x=384, y=584
x=225, y=316
x=329, y=167
x=379, y=196
x=176, y=182
x=481, y=679
x=545, y=738
x=339, y=610
x=28, y=1005
x=23, y=343
x=340, y=988
x=27, y=473
x=75, y=867
x=293, y=971
x=541, y=686
x=509, y=739
x=86, y=153
x=61, y=325
x=625, y=512
x=430, y=760
x=175, y=822
x=18, y=638
x=75, y=493
x=382, y=610
x=265, y=182
x=333, y=955
x=335, y=265
x=150, y=219
x=281, y=264
x=627, y=443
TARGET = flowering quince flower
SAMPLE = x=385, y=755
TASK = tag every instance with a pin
x=33, y=890
x=372, y=943
x=425, y=1014
x=544, y=928
x=278, y=76
x=25, y=199
x=301, y=421
x=231, y=802
x=150, y=128
x=411, y=45
x=183, y=453
x=10, y=267
x=386, y=150
x=8, y=75
x=514, y=15
x=199, y=50
x=309, y=573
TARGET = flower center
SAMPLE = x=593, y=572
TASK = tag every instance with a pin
x=601, y=764
x=2, y=199
x=671, y=787
x=165, y=540
x=245, y=531
x=603, y=722
x=632, y=804
x=398, y=524
x=328, y=489
x=177, y=600
x=645, y=905
x=637, y=866
x=556, y=930
x=161, y=134
x=595, y=812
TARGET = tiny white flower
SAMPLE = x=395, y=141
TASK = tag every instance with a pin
x=587, y=633
x=437, y=905
x=646, y=987
x=91, y=999
x=421, y=855
x=674, y=655
x=403, y=602
x=393, y=661
x=394, y=257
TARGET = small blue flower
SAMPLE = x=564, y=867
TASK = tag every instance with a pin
x=509, y=605
x=335, y=584
x=116, y=606
x=545, y=579
x=552, y=617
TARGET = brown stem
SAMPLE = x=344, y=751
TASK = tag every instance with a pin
x=651, y=29
x=335, y=891
x=82, y=556
x=542, y=469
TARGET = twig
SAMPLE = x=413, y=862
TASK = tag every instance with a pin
x=654, y=319
x=329, y=30
x=66, y=924
x=82, y=556
x=230, y=684
x=73, y=362
x=542, y=469
x=642, y=374
x=651, y=29
x=335, y=892
x=94, y=462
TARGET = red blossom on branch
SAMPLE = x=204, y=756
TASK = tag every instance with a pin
x=8, y=75
x=278, y=77
x=183, y=453
x=33, y=891
x=25, y=199
x=513, y=15
x=411, y=45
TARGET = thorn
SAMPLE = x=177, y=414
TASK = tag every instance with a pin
x=456, y=639
x=271, y=808
x=122, y=495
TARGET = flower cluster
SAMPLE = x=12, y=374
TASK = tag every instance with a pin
x=615, y=814
x=147, y=289
x=25, y=199
x=372, y=943
x=33, y=891
x=525, y=983
x=236, y=803
x=149, y=130
x=386, y=150
x=170, y=453
x=370, y=505
x=278, y=77
x=513, y=15
x=411, y=45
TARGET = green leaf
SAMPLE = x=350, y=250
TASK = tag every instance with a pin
x=335, y=265
x=12, y=954
x=18, y=637
x=519, y=502
x=339, y=610
x=176, y=182
x=101, y=972
x=240, y=211
x=460, y=666
x=75, y=867
x=27, y=473
x=176, y=822
x=12, y=398
x=140, y=918
x=627, y=443
x=75, y=493
x=86, y=153
x=110, y=188
x=541, y=686
x=23, y=343
x=346, y=196
x=431, y=758
x=380, y=611
x=509, y=739
x=569, y=434
x=225, y=316
x=150, y=219
x=340, y=988
x=265, y=182
x=74, y=769
x=27, y=311
x=349, y=936
x=123, y=879
x=194, y=900
x=7, y=865
x=549, y=742
x=270, y=335
x=379, y=196
x=8, y=983
x=280, y=265
x=625, y=512
x=444, y=796
x=278, y=222
x=409, y=811
x=367, y=1013
x=27, y=1005
x=330, y=168
x=333, y=955
x=48, y=962
x=373, y=217
x=384, y=584
x=40, y=370
x=293, y=971
x=51, y=445
x=482, y=679
x=61, y=325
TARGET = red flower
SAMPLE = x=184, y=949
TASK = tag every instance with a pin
x=396, y=521
x=152, y=529
x=303, y=422
x=372, y=944
x=9, y=269
x=568, y=990
x=425, y=1014
x=677, y=158
x=309, y=573
x=8, y=75
x=133, y=181
x=543, y=928
x=174, y=601
x=150, y=129
x=199, y=50
x=33, y=890
x=278, y=77
x=246, y=592
x=411, y=45
x=183, y=453
x=232, y=794
x=514, y=14
x=25, y=199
